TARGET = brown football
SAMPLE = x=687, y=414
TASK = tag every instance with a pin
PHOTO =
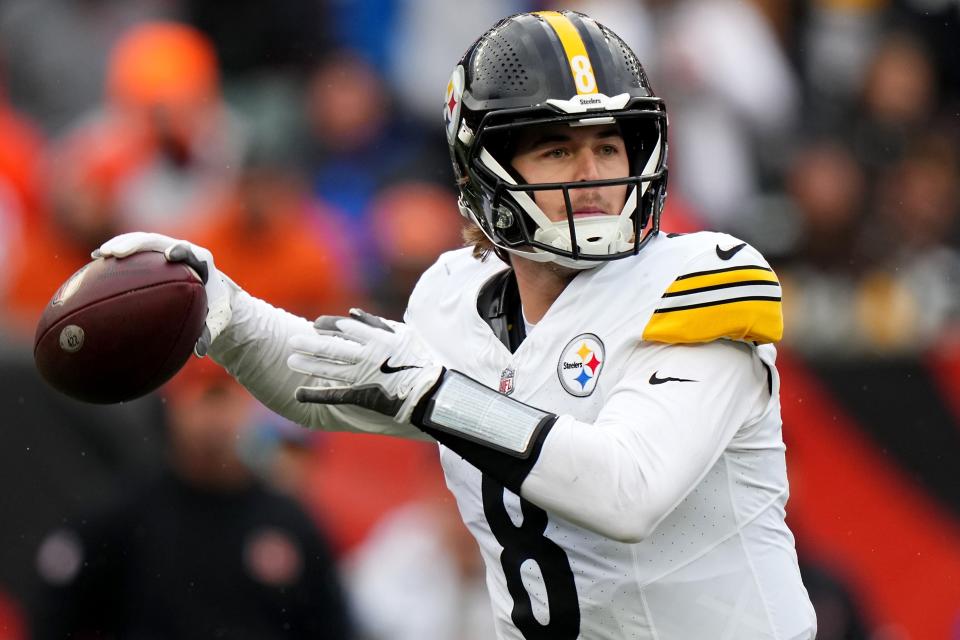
x=120, y=327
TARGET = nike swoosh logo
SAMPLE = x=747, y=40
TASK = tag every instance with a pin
x=386, y=368
x=726, y=254
x=655, y=380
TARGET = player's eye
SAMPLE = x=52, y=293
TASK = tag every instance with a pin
x=609, y=150
x=555, y=153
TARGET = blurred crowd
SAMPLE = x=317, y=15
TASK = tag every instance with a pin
x=823, y=131
x=300, y=141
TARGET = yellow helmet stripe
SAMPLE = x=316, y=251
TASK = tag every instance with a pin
x=580, y=66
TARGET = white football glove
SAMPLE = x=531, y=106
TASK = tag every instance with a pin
x=366, y=361
x=219, y=288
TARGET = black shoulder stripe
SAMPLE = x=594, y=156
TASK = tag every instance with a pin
x=727, y=285
x=719, y=302
x=712, y=271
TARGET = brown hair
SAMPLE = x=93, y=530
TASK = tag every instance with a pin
x=473, y=236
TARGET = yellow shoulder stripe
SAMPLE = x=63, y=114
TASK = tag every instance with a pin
x=749, y=320
x=721, y=277
x=739, y=303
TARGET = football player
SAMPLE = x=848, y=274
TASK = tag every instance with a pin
x=605, y=395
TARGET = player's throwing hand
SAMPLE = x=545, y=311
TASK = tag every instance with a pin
x=366, y=361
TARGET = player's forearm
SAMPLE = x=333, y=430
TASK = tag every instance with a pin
x=652, y=443
x=600, y=480
x=254, y=349
x=579, y=474
x=575, y=470
x=623, y=473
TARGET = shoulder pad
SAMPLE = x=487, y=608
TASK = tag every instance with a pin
x=727, y=290
x=445, y=279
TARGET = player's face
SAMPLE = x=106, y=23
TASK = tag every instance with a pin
x=561, y=153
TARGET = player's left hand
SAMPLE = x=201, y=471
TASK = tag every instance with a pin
x=366, y=361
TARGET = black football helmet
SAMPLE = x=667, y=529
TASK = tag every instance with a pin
x=553, y=67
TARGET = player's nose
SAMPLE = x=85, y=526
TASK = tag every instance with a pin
x=586, y=166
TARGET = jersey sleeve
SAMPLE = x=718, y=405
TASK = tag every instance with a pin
x=254, y=349
x=727, y=290
x=441, y=276
x=660, y=431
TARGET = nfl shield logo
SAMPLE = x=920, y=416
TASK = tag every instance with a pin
x=506, y=381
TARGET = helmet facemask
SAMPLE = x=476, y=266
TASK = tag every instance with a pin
x=516, y=223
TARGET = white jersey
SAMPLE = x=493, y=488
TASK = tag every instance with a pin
x=716, y=559
x=655, y=509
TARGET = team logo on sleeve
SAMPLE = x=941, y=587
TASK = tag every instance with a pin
x=580, y=364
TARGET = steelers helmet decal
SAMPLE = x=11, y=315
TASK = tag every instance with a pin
x=451, y=103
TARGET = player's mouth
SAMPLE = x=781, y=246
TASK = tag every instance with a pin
x=587, y=212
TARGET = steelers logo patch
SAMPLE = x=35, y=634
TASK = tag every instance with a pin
x=580, y=365
x=451, y=103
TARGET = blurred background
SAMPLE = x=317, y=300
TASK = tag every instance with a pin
x=301, y=141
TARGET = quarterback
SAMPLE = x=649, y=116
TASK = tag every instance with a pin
x=604, y=395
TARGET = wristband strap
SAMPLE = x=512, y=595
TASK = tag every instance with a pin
x=461, y=406
x=499, y=436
